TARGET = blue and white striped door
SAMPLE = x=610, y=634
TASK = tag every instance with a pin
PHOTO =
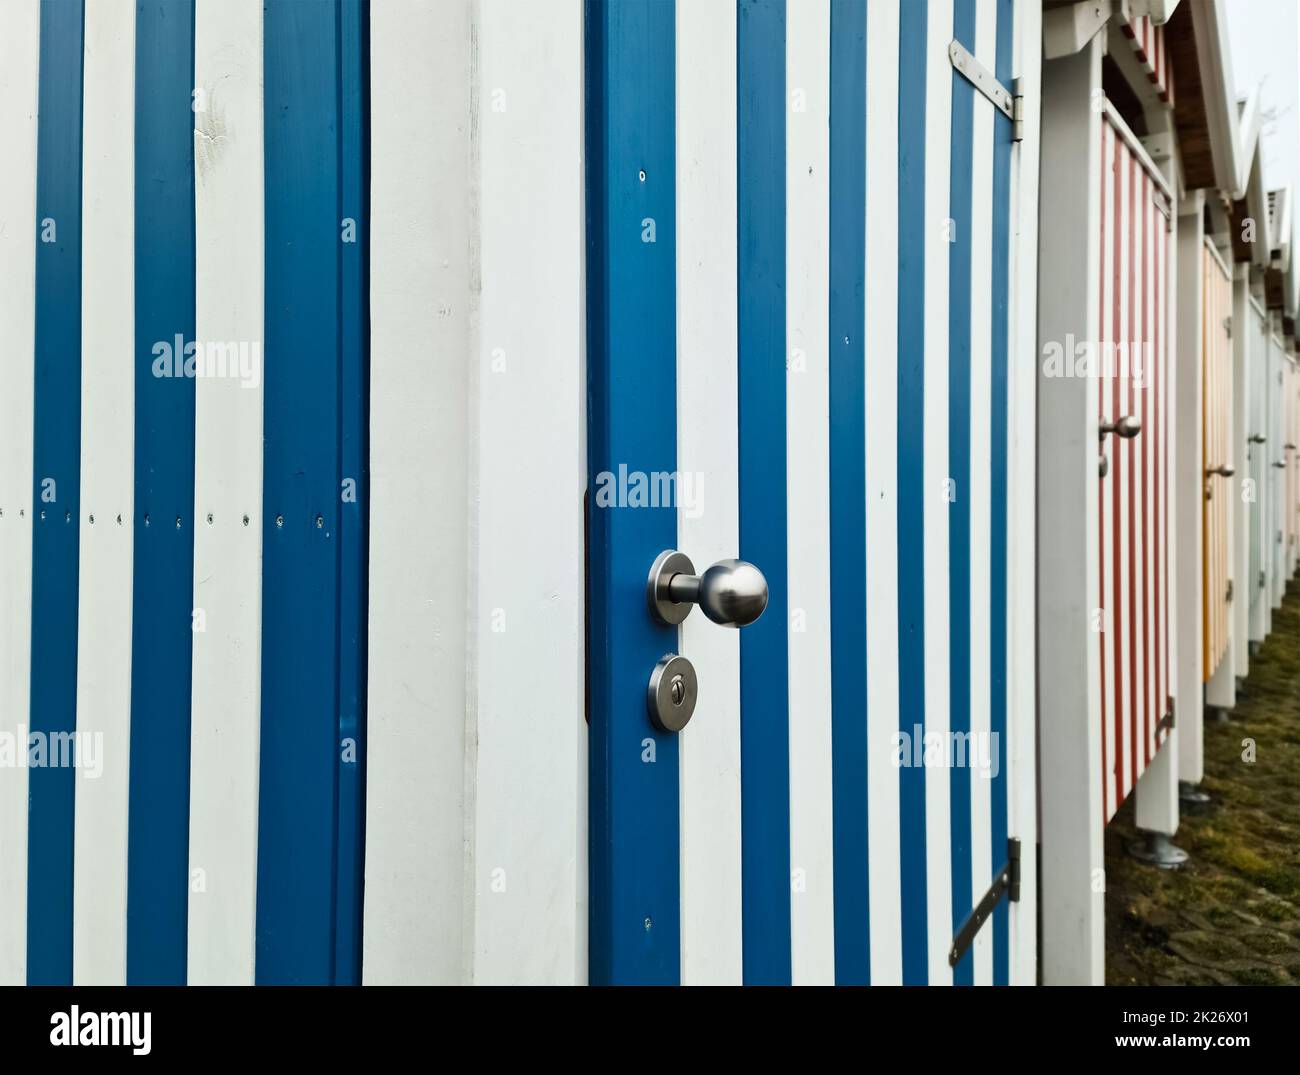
x=182, y=488
x=801, y=224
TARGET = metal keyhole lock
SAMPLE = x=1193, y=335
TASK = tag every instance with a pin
x=672, y=693
x=732, y=593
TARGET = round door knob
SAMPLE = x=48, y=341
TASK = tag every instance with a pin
x=732, y=593
x=1224, y=470
x=1127, y=427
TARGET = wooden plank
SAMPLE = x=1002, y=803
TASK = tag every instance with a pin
x=229, y=263
x=107, y=468
x=415, y=921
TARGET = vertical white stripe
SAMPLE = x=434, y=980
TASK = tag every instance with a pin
x=936, y=481
x=227, y=662
x=979, y=494
x=812, y=907
x=881, y=336
x=19, y=60
x=528, y=824
x=107, y=483
x=1108, y=622
x=707, y=456
x=421, y=271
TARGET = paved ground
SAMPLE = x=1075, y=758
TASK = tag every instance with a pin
x=1232, y=914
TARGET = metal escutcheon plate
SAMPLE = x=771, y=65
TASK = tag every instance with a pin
x=671, y=693
x=664, y=609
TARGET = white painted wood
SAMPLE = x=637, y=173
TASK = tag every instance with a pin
x=1022, y=377
x=1189, y=477
x=707, y=451
x=424, y=260
x=881, y=413
x=19, y=61
x=227, y=653
x=1156, y=794
x=107, y=491
x=935, y=480
x=529, y=830
x=812, y=905
x=979, y=493
x=1072, y=903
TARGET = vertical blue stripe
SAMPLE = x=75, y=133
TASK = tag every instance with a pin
x=301, y=508
x=354, y=407
x=1002, y=135
x=56, y=481
x=764, y=660
x=912, y=230
x=163, y=577
x=959, y=463
x=634, y=830
x=848, y=521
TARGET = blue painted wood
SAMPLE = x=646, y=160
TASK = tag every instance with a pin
x=299, y=774
x=764, y=656
x=56, y=490
x=163, y=575
x=913, y=226
x=961, y=211
x=635, y=927
x=1002, y=135
x=354, y=25
x=848, y=521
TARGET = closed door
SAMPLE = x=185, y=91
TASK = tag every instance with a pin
x=1133, y=511
x=800, y=236
x=1216, y=433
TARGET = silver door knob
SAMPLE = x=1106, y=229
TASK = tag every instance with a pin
x=732, y=593
x=1127, y=427
x=1257, y=438
x=1224, y=470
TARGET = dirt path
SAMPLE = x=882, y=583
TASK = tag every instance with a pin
x=1232, y=914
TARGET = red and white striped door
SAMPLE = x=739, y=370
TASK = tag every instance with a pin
x=1133, y=334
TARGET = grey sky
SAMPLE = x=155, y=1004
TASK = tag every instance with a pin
x=1264, y=37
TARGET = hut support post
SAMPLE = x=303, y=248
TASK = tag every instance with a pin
x=1072, y=869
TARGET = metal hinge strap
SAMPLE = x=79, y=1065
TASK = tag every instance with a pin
x=1008, y=881
x=982, y=79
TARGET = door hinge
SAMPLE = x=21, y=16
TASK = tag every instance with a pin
x=1261, y=580
x=1227, y=326
x=1167, y=721
x=1017, y=110
x=983, y=80
x=1008, y=881
x=1230, y=591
